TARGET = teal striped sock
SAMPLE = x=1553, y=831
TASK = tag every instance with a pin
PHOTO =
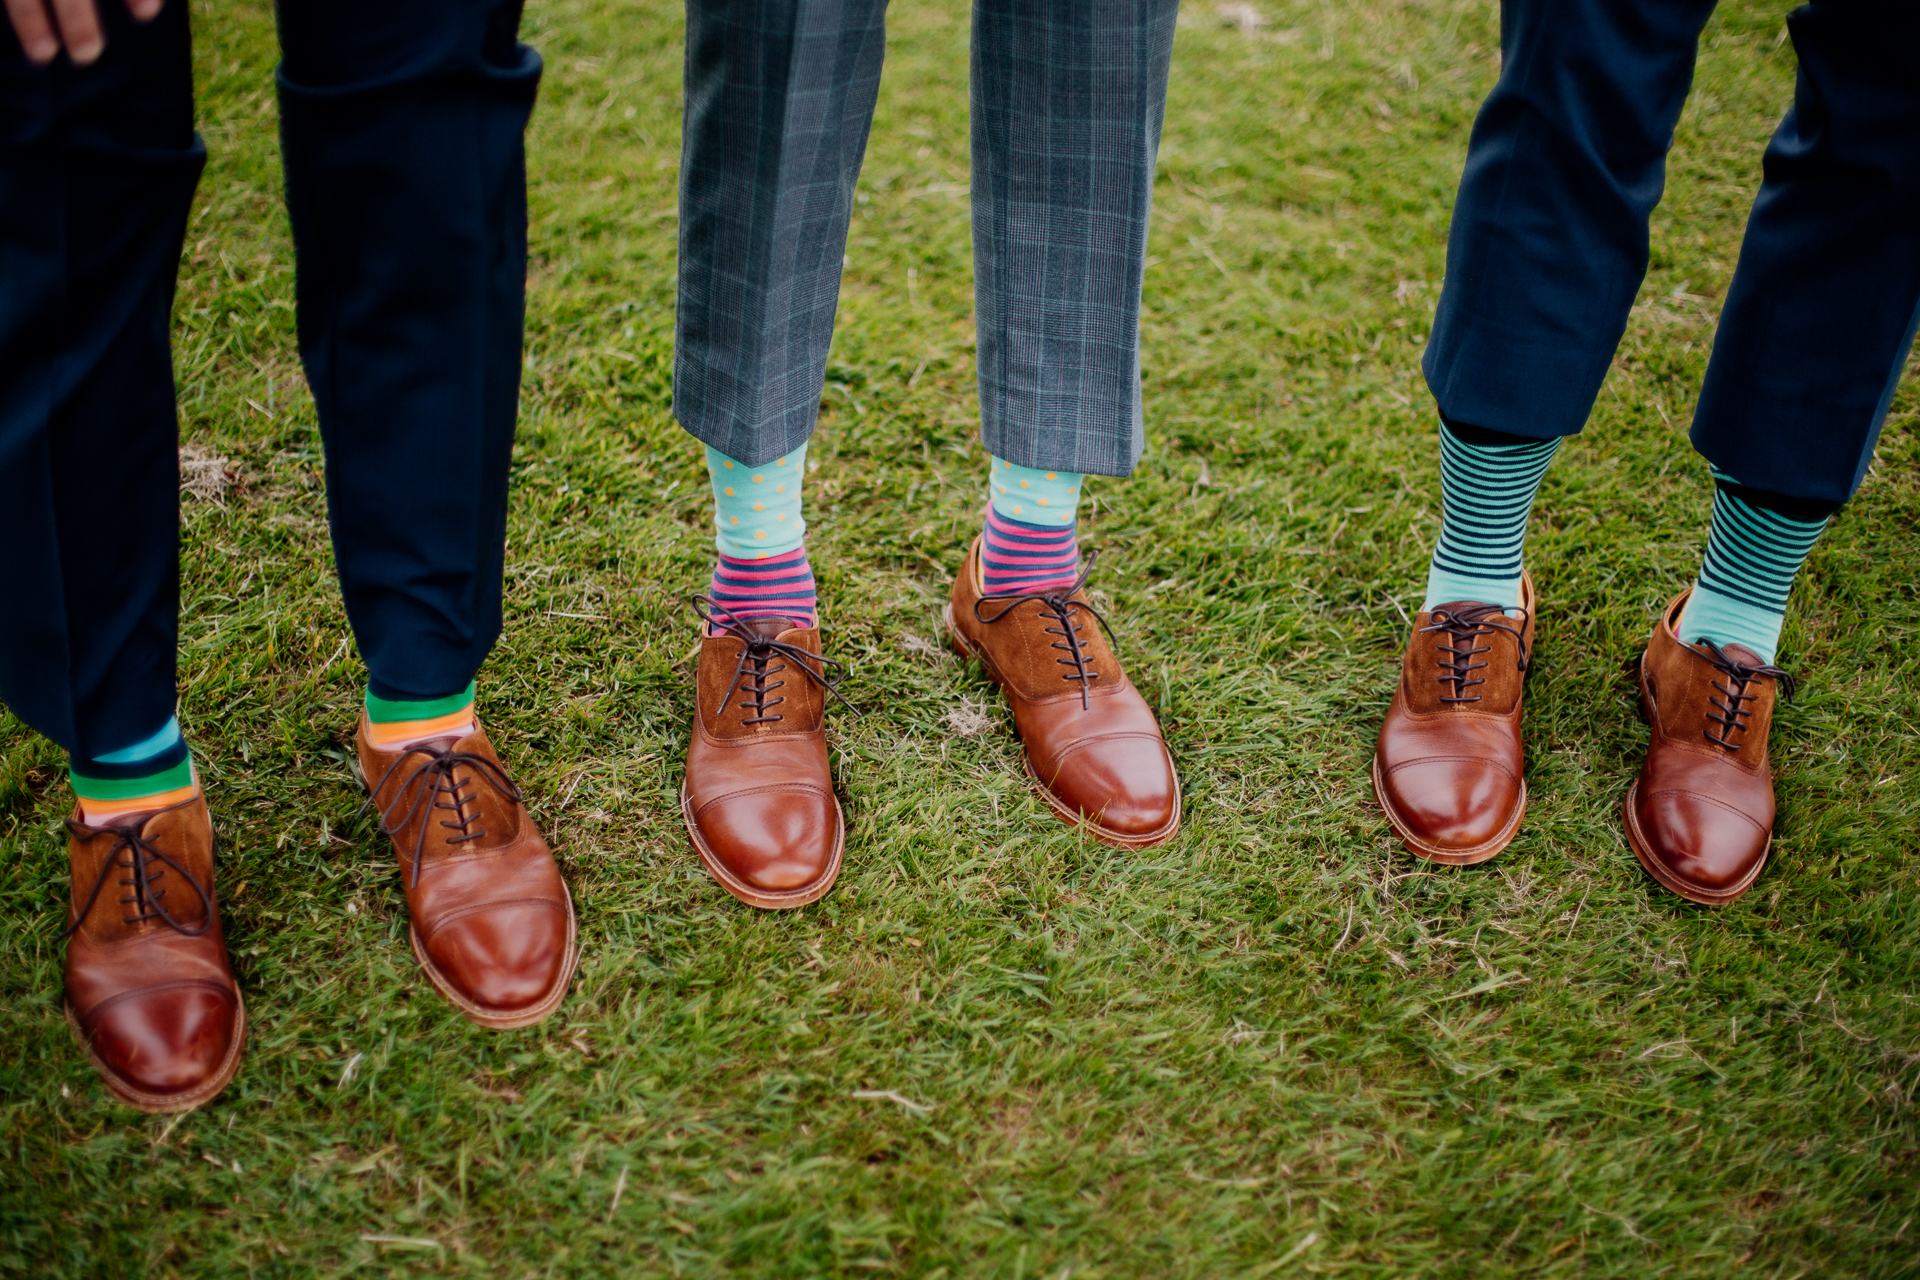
x=1753, y=556
x=1487, y=494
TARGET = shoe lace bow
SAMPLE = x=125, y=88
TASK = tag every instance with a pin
x=1463, y=627
x=1729, y=716
x=149, y=864
x=752, y=674
x=435, y=783
x=1059, y=606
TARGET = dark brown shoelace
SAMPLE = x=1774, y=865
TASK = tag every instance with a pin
x=752, y=674
x=148, y=900
x=1731, y=713
x=1464, y=626
x=420, y=792
x=1060, y=606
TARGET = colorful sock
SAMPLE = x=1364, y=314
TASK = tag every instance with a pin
x=761, y=537
x=1487, y=483
x=1028, y=544
x=1754, y=552
x=148, y=775
x=397, y=722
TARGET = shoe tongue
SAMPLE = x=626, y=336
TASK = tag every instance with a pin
x=766, y=628
x=1461, y=606
x=1742, y=655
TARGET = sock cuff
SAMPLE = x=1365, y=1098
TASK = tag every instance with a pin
x=756, y=510
x=1487, y=437
x=91, y=780
x=1050, y=499
x=1811, y=511
x=396, y=710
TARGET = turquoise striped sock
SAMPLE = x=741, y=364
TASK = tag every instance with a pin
x=1486, y=494
x=1753, y=556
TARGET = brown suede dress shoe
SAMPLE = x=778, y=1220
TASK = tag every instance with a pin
x=1093, y=748
x=149, y=992
x=758, y=798
x=1700, y=816
x=1449, y=765
x=492, y=922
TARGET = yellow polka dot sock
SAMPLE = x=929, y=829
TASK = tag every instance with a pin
x=1029, y=545
x=762, y=571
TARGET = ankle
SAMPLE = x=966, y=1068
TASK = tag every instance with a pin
x=779, y=586
x=103, y=813
x=1018, y=558
x=393, y=723
x=152, y=774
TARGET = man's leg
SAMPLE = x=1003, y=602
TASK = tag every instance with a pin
x=1547, y=249
x=1812, y=340
x=779, y=97
x=402, y=127
x=1068, y=97
x=97, y=171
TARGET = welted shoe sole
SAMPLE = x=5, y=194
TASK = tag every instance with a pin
x=1067, y=813
x=1435, y=853
x=160, y=1104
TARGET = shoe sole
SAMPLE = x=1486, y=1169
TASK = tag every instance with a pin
x=778, y=900
x=478, y=1014
x=160, y=1104
x=1448, y=857
x=1069, y=814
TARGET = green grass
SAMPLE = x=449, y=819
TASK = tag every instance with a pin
x=1275, y=1046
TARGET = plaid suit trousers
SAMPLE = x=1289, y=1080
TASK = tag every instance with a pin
x=1067, y=101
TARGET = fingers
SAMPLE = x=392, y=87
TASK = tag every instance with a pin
x=144, y=10
x=36, y=33
x=79, y=29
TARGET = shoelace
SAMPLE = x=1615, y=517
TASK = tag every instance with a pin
x=1466, y=626
x=149, y=901
x=419, y=792
x=751, y=674
x=1732, y=710
x=1060, y=605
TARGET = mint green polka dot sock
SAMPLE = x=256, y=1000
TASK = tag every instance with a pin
x=762, y=571
x=1029, y=545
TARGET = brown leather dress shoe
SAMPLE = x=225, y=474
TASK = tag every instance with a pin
x=1700, y=816
x=492, y=922
x=1093, y=748
x=1448, y=768
x=758, y=798
x=149, y=992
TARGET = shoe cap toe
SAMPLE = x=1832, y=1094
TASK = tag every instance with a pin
x=776, y=839
x=165, y=1040
x=1452, y=803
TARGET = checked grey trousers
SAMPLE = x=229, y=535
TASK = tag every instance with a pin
x=1067, y=101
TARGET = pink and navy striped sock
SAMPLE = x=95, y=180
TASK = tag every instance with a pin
x=1017, y=558
x=778, y=586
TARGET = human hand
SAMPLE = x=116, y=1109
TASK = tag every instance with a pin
x=74, y=24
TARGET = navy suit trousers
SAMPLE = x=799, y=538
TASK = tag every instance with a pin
x=401, y=127
x=1549, y=239
x=1068, y=97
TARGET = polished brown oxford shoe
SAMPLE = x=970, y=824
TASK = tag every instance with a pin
x=1700, y=815
x=1449, y=765
x=758, y=798
x=1093, y=749
x=149, y=992
x=492, y=922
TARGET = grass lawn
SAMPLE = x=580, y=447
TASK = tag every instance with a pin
x=1277, y=1045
